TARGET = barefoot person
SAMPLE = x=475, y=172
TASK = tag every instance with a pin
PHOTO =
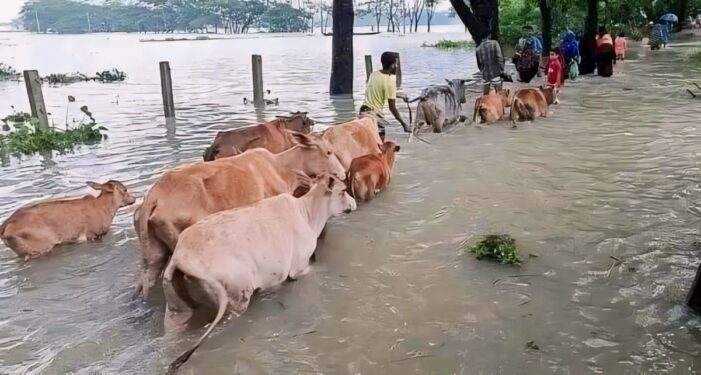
x=381, y=88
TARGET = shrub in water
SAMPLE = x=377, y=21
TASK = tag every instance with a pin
x=451, y=44
x=497, y=247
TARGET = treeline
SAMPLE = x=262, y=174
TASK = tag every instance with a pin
x=229, y=16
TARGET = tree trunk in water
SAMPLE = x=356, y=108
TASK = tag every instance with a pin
x=682, y=7
x=546, y=16
x=342, y=48
x=484, y=20
x=588, y=43
x=694, y=298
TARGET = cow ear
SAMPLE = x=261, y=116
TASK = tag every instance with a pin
x=449, y=82
x=100, y=187
x=302, y=140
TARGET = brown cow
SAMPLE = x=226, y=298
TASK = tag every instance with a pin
x=35, y=230
x=491, y=108
x=185, y=195
x=354, y=138
x=370, y=174
x=527, y=105
x=271, y=136
x=550, y=93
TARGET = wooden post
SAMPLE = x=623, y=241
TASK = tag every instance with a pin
x=36, y=97
x=167, y=90
x=368, y=66
x=257, y=63
x=694, y=299
x=399, y=71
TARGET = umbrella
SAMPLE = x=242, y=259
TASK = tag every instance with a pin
x=669, y=17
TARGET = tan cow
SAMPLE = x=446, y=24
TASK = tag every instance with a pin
x=185, y=195
x=491, y=108
x=370, y=174
x=271, y=136
x=35, y=230
x=227, y=256
x=527, y=105
x=354, y=138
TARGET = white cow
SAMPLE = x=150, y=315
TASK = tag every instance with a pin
x=229, y=255
x=441, y=106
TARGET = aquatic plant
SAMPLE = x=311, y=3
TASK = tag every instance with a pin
x=7, y=72
x=451, y=44
x=497, y=247
x=29, y=138
x=113, y=75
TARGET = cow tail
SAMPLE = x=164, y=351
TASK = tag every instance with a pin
x=515, y=105
x=351, y=184
x=478, y=104
x=223, y=301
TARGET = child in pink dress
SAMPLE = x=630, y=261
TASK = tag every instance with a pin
x=621, y=46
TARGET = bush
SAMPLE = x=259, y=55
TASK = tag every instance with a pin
x=7, y=72
x=497, y=247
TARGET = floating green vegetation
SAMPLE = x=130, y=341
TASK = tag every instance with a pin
x=497, y=247
x=7, y=72
x=25, y=136
x=695, y=56
x=451, y=44
x=105, y=76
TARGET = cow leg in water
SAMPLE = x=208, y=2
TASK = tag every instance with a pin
x=322, y=236
x=154, y=260
x=440, y=122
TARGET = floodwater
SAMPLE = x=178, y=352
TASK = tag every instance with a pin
x=613, y=172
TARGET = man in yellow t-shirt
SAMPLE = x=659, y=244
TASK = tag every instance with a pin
x=381, y=87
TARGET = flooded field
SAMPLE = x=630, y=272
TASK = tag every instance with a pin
x=613, y=172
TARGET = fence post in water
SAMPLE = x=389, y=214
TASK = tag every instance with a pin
x=368, y=66
x=167, y=90
x=257, y=63
x=399, y=71
x=694, y=299
x=36, y=97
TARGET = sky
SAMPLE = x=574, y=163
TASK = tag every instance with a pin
x=9, y=9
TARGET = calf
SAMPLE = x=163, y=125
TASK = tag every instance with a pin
x=226, y=257
x=370, y=174
x=35, y=230
x=491, y=108
x=271, y=136
x=441, y=106
x=527, y=105
x=354, y=138
x=185, y=195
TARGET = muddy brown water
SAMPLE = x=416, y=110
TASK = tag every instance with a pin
x=613, y=172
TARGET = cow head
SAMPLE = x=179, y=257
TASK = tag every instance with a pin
x=504, y=94
x=121, y=197
x=334, y=190
x=457, y=86
x=313, y=156
x=389, y=150
x=550, y=93
x=297, y=121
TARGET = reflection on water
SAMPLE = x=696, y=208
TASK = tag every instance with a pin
x=614, y=172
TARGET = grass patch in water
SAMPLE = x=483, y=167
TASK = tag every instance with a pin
x=695, y=56
x=497, y=247
x=28, y=138
x=451, y=44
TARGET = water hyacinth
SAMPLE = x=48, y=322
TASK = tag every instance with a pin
x=497, y=247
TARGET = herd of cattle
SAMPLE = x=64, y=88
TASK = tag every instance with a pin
x=248, y=218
